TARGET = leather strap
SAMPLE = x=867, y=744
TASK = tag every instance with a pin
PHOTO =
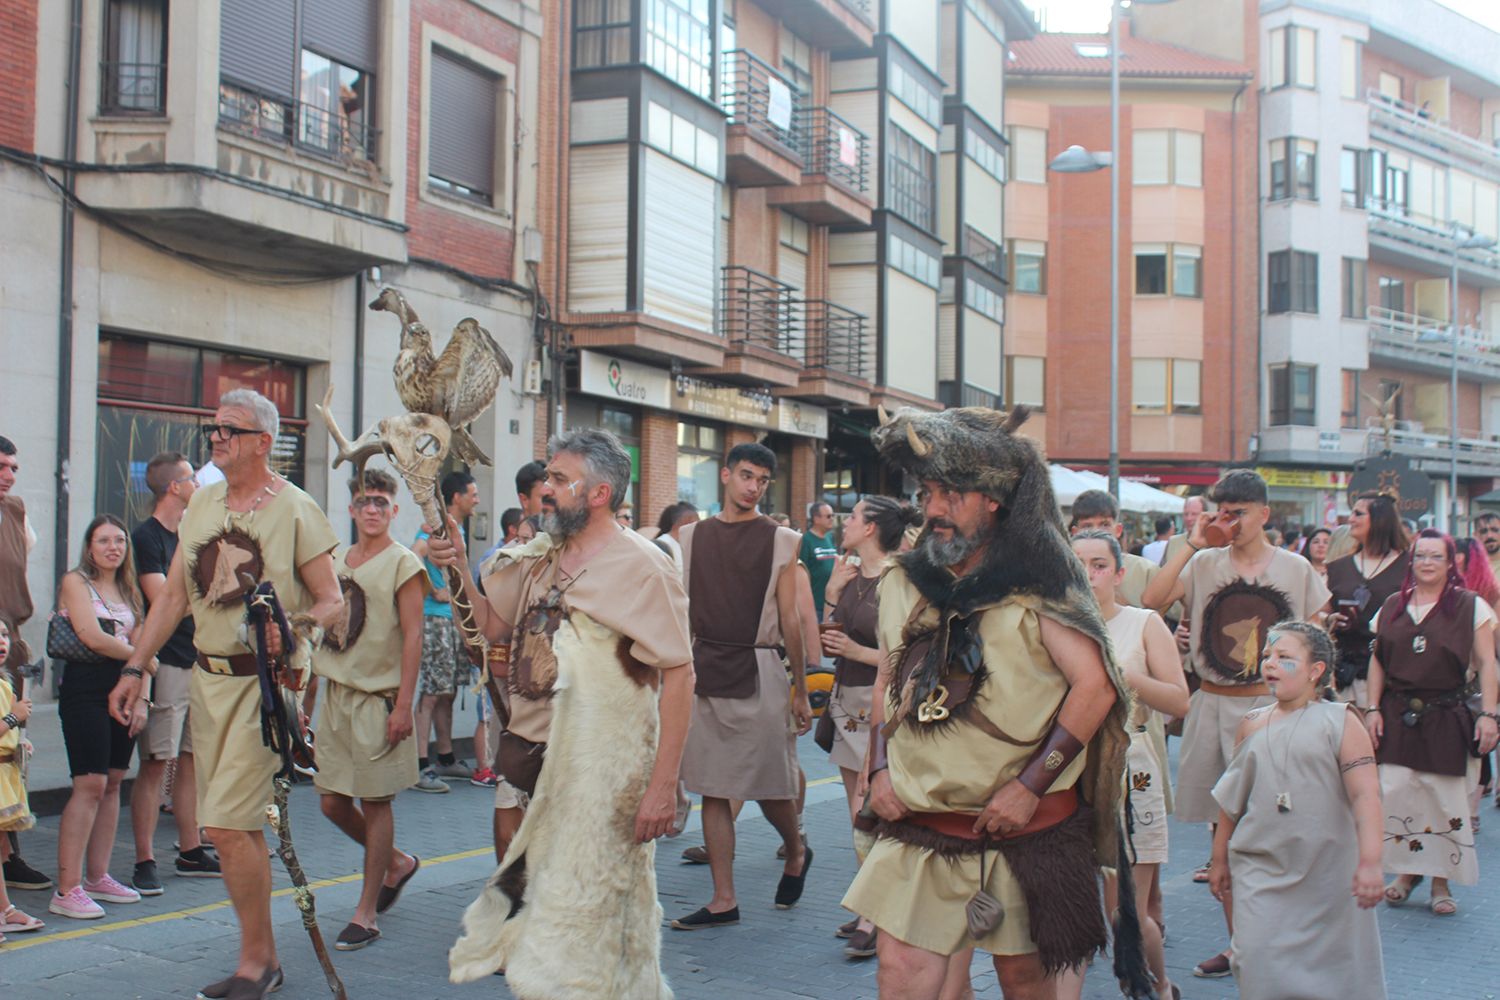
x=238, y=665
x=1053, y=808
x=1049, y=760
x=1235, y=690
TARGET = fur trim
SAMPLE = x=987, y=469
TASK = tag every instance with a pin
x=971, y=448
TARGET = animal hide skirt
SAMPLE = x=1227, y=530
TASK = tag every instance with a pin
x=571, y=913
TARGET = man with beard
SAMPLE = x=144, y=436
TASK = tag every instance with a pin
x=1487, y=530
x=739, y=569
x=998, y=775
x=597, y=620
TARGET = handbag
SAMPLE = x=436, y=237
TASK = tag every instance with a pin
x=823, y=732
x=63, y=642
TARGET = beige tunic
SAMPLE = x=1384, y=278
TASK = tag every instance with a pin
x=362, y=680
x=914, y=894
x=1150, y=784
x=746, y=748
x=234, y=768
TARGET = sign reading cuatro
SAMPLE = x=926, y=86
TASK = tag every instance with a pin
x=642, y=385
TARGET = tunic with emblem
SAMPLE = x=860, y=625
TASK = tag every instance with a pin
x=363, y=678
x=234, y=768
x=915, y=894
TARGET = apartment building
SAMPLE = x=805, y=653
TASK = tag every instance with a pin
x=1379, y=129
x=214, y=206
x=1187, y=210
x=750, y=239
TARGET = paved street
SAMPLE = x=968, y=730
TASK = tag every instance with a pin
x=171, y=945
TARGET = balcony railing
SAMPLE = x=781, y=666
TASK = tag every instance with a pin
x=835, y=338
x=833, y=147
x=1477, y=452
x=860, y=7
x=309, y=127
x=1415, y=124
x=1394, y=223
x=758, y=310
x=1427, y=342
x=759, y=98
x=132, y=88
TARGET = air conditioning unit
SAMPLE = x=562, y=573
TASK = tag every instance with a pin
x=532, y=385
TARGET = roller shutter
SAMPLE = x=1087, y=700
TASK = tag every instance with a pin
x=346, y=31
x=598, y=228
x=257, y=47
x=461, y=123
x=680, y=207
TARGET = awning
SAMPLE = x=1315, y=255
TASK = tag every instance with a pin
x=1136, y=498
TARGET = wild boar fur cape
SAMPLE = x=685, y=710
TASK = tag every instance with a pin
x=1028, y=558
x=571, y=913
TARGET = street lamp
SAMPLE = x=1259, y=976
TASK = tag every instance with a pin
x=1077, y=160
x=1474, y=241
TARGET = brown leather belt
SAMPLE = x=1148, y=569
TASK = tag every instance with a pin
x=238, y=665
x=1053, y=808
x=6, y=756
x=1235, y=690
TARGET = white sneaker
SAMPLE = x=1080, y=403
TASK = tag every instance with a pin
x=428, y=781
x=107, y=890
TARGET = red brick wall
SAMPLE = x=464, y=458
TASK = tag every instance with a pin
x=18, y=73
x=658, y=465
x=479, y=247
x=804, y=478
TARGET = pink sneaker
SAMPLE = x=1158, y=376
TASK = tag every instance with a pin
x=75, y=904
x=107, y=890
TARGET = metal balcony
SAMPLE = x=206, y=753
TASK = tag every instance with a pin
x=841, y=25
x=1410, y=127
x=1477, y=454
x=764, y=146
x=1416, y=343
x=757, y=311
x=834, y=148
x=835, y=339
x=317, y=130
x=129, y=88
x=1398, y=237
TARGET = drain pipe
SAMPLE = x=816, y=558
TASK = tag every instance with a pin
x=65, y=301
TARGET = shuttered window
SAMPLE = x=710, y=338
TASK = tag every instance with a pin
x=598, y=227
x=257, y=45
x=461, y=127
x=679, y=206
x=343, y=30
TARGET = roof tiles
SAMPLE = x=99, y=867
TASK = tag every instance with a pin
x=1057, y=54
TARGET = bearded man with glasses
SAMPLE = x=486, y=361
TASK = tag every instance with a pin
x=253, y=526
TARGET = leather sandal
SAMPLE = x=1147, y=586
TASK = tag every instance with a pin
x=1213, y=968
x=789, y=889
x=1396, y=894
x=862, y=943
x=1448, y=903
x=695, y=855
x=844, y=930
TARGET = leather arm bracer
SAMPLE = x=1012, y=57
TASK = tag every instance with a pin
x=1049, y=760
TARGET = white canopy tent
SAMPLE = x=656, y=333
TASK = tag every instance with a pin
x=1136, y=498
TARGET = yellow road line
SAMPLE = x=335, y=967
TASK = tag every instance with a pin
x=14, y=943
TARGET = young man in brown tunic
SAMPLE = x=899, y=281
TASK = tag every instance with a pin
x=742, y=601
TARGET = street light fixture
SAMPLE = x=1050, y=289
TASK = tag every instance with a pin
x=1474, y=241
x=1077, y=160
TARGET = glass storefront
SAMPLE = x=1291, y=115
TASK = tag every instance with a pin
x=624, y=423
x=700, y=455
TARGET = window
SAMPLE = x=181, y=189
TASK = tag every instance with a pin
x=334, y=117
x=1354, y=288
x=983, y=300
x=913, y=261
x=912, y=174
x=134, y=73
x=700, y=453
x=461, y=128
x=1166, y=156
x=796, y=61
x=1291, y=282
x=1293, y=57
x=795, y=232
x=909, y=91
x=1349, y=409
x=1349, y=69
x=1028, y=266
x=1389, y=182
x=1390, y=85
x=983, y=251
x=1026, y=382
x=1026, y=153
x=1294, y=169
x=1168, y=269
x=984, y=153
x=679, y=44
x=1163, y=385
x=601, y=33
x=1352, y=177
x=1392, y=293
x=682, y=140
x=1294, y=394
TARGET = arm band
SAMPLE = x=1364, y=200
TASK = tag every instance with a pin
x=878, y=761
x=10, y=720
x=135, y=672
x=1050, y=759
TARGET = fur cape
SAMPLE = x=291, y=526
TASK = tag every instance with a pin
x=1028, y=558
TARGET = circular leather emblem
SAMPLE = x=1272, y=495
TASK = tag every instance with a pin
x=223, y=566
x=1235, y=624
x=345, y=632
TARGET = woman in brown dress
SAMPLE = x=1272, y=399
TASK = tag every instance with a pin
x=871, y=534
x=1431, y=640
x=1361, y=583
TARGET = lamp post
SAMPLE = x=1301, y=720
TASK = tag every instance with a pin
x=1473, y=241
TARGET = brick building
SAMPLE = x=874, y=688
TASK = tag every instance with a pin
x=1187, y=173
x=244, y=175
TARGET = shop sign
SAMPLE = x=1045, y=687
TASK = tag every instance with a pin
x=1393, y=476
x=732, y=404
x=803, y=419
x=1306, y=479
x=1330, y=441
x=627, y=381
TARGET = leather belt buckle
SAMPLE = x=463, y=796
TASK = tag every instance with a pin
x=216, y=665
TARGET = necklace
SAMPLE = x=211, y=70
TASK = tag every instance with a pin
x=1283, y=797
x=249, y=512
x=1363, y=564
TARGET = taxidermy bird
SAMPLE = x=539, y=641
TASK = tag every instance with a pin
x=457, y=385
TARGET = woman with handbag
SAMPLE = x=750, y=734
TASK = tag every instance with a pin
x=1432, y=640
x=852, y=613
x=98, y=608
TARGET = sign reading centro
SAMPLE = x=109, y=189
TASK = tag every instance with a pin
x=642, y=385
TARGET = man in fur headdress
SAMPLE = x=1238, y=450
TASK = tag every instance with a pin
x=597, y=621
x=1003, y=741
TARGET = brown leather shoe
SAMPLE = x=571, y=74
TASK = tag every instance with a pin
x=225, y=989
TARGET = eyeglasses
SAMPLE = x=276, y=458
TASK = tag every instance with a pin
x=375, y=500
x=1429, y=557
x=223, y=432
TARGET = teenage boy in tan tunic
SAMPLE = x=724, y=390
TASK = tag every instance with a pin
x=251, y=523
x=369, y=661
